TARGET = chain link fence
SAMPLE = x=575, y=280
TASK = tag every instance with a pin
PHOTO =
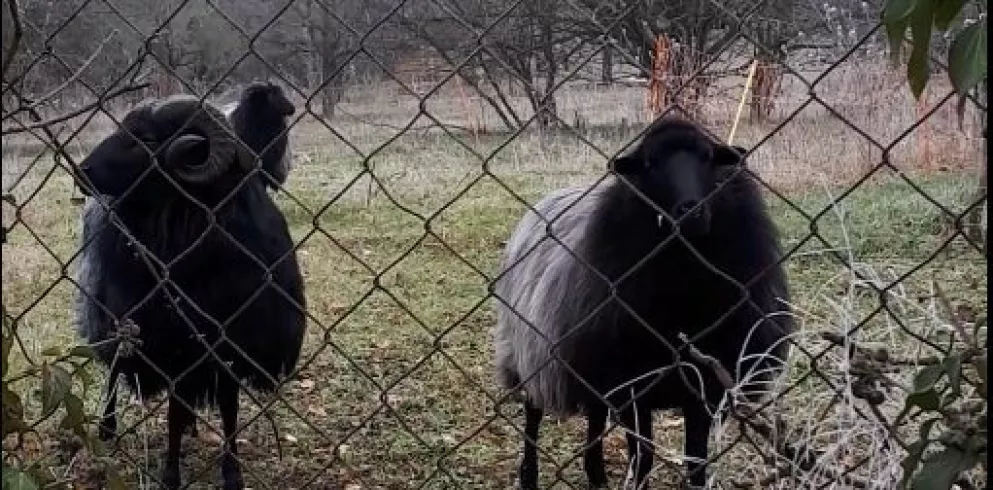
x=423, y=131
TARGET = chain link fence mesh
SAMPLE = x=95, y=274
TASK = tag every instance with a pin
x=423, y=131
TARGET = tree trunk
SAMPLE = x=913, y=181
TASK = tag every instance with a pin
x=607, y=65
x=974, y=224
x=550, y=109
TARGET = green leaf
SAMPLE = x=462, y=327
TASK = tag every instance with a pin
x=114, y=480
x=52, y=351
x=945, y=12
x=898, y=10
x=75, y=419
x=927, y=377
x=83, y=351
x=915, y=451
x=13, y=413
x=894, y=34
x=940, y=470
x=952, y=366
x=980, y=364
x=926, y=400
x=14, y=479
x=919, y=65
x=85, y=378
x=967, y=58
x=55, y=385
x=7, y=343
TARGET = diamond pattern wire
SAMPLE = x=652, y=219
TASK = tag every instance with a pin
x=56, y=103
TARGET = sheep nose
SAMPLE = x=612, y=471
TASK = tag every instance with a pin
x=684, y=208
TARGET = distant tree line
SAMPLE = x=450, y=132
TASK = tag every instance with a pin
x=502, y=49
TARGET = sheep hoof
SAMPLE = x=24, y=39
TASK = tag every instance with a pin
x=231, y=476
x=234, y=484
x=597, y=478
x=170, y=477
x=528, y=478
x=107, y=429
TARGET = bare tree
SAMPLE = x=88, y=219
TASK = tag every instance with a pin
x=328, y=45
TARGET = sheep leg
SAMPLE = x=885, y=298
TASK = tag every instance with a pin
x=528, y=471
x=178, y=418
x=107, y=427
x=638, y=422
x=697, y=427
x=596, y=421
x=228, y=404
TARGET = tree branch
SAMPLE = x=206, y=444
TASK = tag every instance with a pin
x=76, y=113
x=15, y=18
x=75, y=76
x=805, y=458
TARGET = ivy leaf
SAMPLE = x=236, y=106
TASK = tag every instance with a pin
x=940, y=470
x=898, y=10
x=13, y=413
x=55, y=385
x=14, y=479
x=915, y=451
x=952, y=365
x=980, y=364
x=7, y=344
x=927, y=377
x=75, y=418
x=927, y=400
x=82, y=351
x=52, y=351
x=919, y=65
x=967, y=58
x=945, y=12
x=894, y=34
x=925, y=395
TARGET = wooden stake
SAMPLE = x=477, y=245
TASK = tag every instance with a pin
x=741, y=103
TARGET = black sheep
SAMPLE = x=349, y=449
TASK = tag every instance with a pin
x=206, y=272
x=260, y=120
x=555, y=308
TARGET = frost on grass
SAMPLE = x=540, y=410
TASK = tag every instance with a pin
x=831, y=416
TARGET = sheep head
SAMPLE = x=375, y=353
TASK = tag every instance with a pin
x=677, y=165
x=178, y=136
x=269, y=96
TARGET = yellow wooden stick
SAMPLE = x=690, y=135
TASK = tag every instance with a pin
x=741, y=103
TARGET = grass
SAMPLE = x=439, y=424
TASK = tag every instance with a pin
x=396, y=385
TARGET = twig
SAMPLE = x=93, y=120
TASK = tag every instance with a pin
x=75, y=76
x=805, y=458
x=76, y=113
x=58, y=146
x=15, y=41
x=956, y=319
x=883, y=356
x=722, y=374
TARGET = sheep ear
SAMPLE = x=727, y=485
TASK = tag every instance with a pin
x=725, y=155
x=626, y=165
